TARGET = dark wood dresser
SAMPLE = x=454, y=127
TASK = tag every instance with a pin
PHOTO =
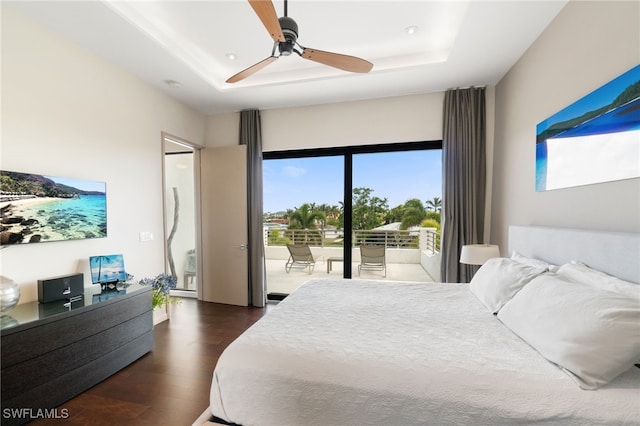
x=52, y=352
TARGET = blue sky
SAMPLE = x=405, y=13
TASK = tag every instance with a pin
x=85, y=185
x=397, y=176
x=594, y=100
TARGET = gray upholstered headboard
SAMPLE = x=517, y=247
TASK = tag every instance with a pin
x=616, y=253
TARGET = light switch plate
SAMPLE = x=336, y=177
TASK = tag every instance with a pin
x=146, y=236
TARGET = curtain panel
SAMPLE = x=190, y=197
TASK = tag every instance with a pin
x=464, y=179
x=251, y=136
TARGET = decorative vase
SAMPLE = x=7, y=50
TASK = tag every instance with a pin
x=160, y=314
x=9, y=294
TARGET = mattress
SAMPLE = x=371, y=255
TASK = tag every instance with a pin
x=357, y=352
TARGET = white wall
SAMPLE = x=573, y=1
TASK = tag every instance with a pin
x=388, y=120
x=398, y=119
x=586, y=46
x=379, y=121
x=66, y=112
x=222, y=130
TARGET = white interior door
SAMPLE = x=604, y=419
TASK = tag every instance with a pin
x=224, y=225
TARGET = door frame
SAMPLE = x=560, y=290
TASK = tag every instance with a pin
x=197, y=204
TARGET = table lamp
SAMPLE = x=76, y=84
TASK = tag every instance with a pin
x=478, y=254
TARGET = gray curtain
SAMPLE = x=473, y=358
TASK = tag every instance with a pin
x=251, y=136
x=464, y=177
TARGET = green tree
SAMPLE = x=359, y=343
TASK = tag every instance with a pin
x=275, y=239
x=368, y=211
x=413, y=213
x=333, y=214
x=435, y=216
x=435, y=204
x=395, y=214
x=430, y=223
x=304, y=217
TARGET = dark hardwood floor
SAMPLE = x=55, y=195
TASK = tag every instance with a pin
x=170, y=385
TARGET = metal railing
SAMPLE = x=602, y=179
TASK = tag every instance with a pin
x=432, y=243
x=423, y=238
x=387, y=238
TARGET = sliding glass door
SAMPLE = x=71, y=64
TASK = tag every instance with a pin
x=336, y=200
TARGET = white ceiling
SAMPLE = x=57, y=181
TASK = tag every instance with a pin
x=457, y=44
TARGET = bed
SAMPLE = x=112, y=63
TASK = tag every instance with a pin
x=356, y=352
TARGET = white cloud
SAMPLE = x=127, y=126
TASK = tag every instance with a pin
x=592, y=159
x=294, y=172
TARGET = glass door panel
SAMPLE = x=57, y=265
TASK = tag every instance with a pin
x=180, y=216
x=302, y=204
x=395, y=206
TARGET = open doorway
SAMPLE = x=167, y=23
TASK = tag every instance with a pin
x=181, y=218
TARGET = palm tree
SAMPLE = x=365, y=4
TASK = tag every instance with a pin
x=413, y=213
x=304, y=217
x=434, y=204
x=331, y=212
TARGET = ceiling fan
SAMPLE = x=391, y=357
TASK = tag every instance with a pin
x=284, y=32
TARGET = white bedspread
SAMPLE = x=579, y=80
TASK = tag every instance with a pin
x=351, y=352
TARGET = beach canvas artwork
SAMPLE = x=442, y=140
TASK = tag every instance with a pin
x=107, y=269
x=37, y=208
x=596, y=139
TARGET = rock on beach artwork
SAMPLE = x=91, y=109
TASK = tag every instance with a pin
x=37, y=208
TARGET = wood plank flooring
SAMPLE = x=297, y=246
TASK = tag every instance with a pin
x=170, y=385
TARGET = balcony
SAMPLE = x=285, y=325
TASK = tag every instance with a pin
x=411, y=255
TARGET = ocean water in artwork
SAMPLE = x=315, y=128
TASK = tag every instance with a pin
x=596, y=139
x=55, y=219
x=541, y=166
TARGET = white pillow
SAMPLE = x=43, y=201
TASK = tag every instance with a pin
x=531, y=261
x=591, y=333
x=579, y=272
x=499, y=279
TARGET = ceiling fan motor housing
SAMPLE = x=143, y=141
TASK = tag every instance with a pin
x=290, y=32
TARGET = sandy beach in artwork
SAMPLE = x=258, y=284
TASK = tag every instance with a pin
x=27, y=202
x=37, y=219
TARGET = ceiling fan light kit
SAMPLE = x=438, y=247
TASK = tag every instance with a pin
x=284, y=32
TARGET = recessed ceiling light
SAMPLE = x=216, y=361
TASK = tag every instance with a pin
x=231, y=56
x=411, y=30
x=173, y=84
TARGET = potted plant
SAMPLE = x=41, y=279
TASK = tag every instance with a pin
x=161, y=286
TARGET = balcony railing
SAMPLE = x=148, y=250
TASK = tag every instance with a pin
x=422, y=238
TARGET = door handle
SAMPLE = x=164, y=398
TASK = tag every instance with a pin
x=242, y=246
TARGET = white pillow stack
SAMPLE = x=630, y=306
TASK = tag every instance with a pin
x=532, y=261
x=499, y=279
x=579, y=272
x=591, y=333
x=585, y=321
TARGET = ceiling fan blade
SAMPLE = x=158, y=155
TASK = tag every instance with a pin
x=251, y=70
x=337, y=60
x=267, y=14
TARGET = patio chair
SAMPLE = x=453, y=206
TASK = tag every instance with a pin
x=299, y=257
x=372, y=258
x=189, y=269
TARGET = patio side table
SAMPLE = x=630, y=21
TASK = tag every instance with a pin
x=331, y=260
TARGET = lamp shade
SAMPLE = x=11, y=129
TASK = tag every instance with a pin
x=477, y=254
